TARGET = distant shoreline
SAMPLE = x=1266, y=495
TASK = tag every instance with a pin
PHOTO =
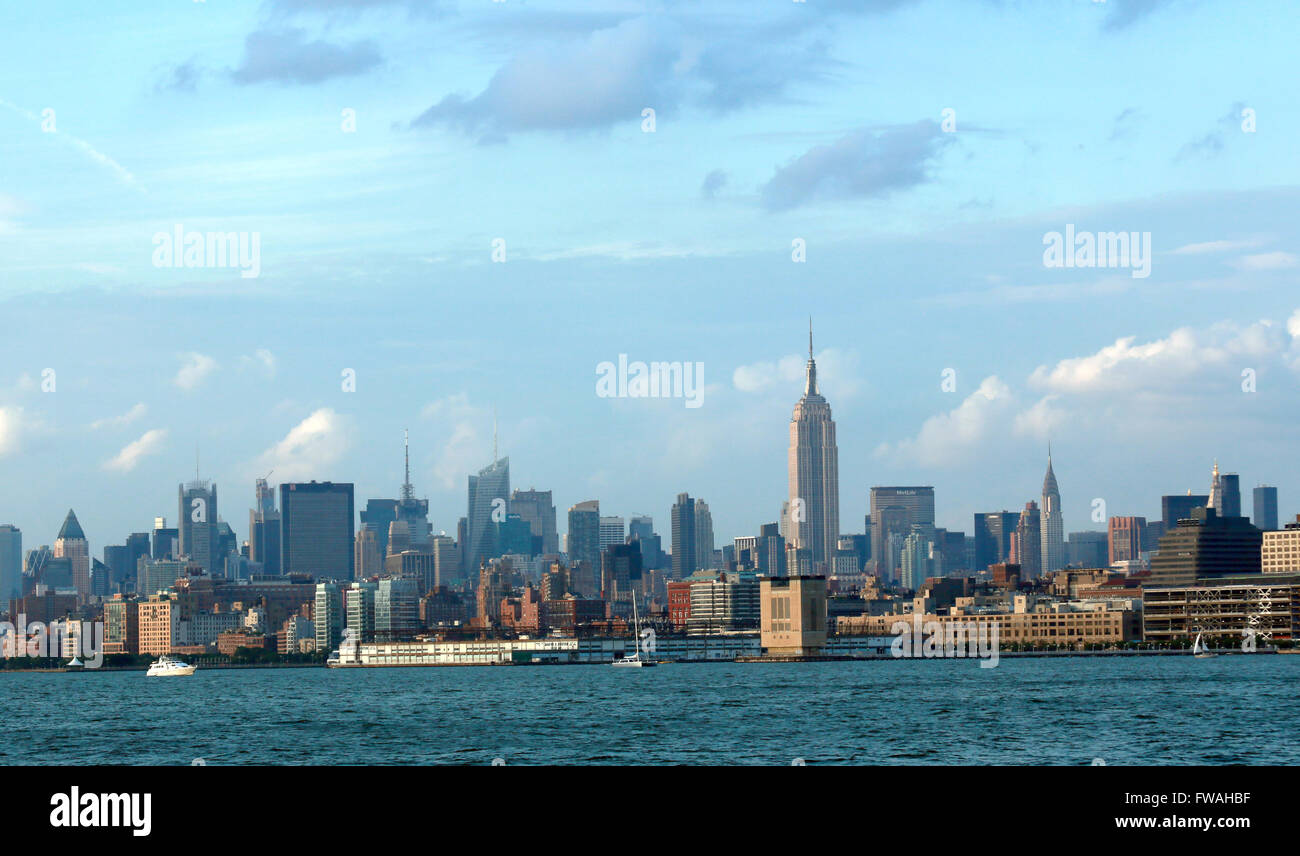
x=775, y=659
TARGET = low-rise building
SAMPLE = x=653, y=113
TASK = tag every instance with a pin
x=792, y=616
x=1265, y=605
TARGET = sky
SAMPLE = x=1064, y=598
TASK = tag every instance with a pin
x=463, y=209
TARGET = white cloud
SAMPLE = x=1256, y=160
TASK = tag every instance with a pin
x=261, y=358
x=1268, y=261
x=311, y=448
x=131, y=454
x=467, y=443
x=1206, y=247
x=836, y=374
x=1184, y=353
x=195, y=368
x=948, y=438
x=1042, y=420
x=119, y=421
x=13, y=426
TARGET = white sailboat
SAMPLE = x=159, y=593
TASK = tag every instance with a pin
x=635, y=661
x=1199, y=649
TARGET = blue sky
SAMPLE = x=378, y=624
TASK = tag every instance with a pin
x=523, y=122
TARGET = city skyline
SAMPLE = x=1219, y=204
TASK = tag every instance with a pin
x=919, y=210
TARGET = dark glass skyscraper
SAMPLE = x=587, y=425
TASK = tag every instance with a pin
x=264, y=529
x=1265, y=516
x=993, y=531
x=317, y=523
x=685, y=551
x=583, y=544
x=1174, y=508
x=197, y=505
x=11, y=563
x=489, y=502
x=1206, y=545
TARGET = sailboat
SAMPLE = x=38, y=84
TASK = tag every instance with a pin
x=1199, y=650
x=635, y=661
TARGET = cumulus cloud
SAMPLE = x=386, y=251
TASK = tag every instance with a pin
x=949, y=438
x=1127, y=365
x=287, y=56
x=1041, y=420
x=310, y=450
x=119, y=421
x=1129, y=391
x=836, y=370
x=194, y=369
x=126, y=460
x=465, y=445
x=14, y=426
x=261, y=359
x=861, y=165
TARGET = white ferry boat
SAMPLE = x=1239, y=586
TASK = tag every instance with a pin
x=167, y=665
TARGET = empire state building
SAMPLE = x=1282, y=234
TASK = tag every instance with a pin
x=813, y=512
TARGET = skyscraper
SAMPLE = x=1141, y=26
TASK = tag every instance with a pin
x=1124, y=536
x=813, y=520
x=71, y=545
x=414, y=511
x=703, y=536
x=264, y=529
x=1216, y=491
x=685, y=553
x=1206, y=545
x=198, y=524
x=993, y=530
x=1026, y=542
x=317, y=522
x=583, y=544
x=1051, y=524
x=537, y=508
x=1231, y=484
x=893, y=511
x=612, y=531
x=1265, y=516
x=11, y=563
x=1177, y=507
x=489, y=495
x=379, y=515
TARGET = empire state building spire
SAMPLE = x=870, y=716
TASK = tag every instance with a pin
x=811, y=517
x=810, y=387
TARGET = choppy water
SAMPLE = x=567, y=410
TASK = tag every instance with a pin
x=1138, y=710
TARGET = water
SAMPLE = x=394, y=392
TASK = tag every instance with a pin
x=1131, y=710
